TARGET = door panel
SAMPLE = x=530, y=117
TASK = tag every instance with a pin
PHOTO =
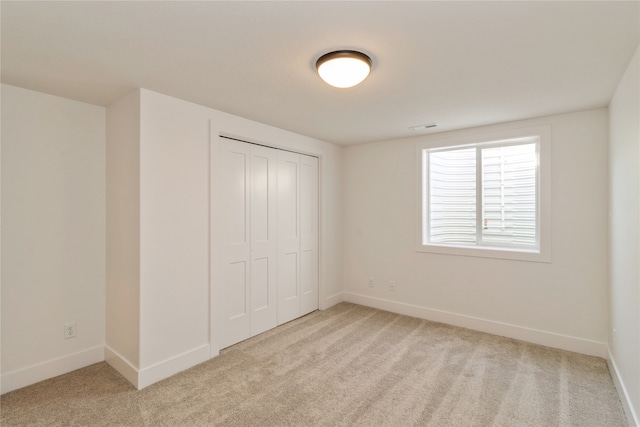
x=236, y=288
x=237, y=170
x=288, y=197
x=264, y=239
x=308, y=272
x=309, y=234
x=259, y=284
x=260, y=198
x=288, y=237
x=288, y=289
x=232, y=251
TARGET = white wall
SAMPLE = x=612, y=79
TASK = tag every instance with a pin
x=174, y=205
x=122, y=311
x=53, y=235
x=561, y=304
x=174, y=230
x=624, y=166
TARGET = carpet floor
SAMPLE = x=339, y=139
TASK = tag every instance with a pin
x=345, y=366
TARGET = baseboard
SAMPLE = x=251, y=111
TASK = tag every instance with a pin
x=52, y=368
x=122, y=365
x=332, y=300
x=172, y=366
x=535, y=336
x=632, y=417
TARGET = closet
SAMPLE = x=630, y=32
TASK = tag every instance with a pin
x=265, y=238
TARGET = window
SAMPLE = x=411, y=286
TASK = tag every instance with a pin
x=486, y=196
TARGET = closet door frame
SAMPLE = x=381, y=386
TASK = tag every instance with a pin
x=215, y=303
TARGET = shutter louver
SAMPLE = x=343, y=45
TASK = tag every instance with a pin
x=452, y=197
x=509, y=195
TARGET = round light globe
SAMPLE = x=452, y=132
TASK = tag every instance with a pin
x=344, y=68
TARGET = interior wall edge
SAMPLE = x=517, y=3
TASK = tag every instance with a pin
x=51, y=368
x=625, y=399
x=141, y=378
x=534, y=336
x=122, y=365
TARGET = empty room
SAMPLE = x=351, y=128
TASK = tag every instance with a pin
x=320, y=213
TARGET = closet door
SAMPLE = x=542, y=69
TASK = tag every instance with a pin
x=264, y=239
x=232, y=245
x=246, y=244
x=308, y=234
x=288, y=236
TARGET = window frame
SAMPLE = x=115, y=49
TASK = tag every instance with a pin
x=540, y=254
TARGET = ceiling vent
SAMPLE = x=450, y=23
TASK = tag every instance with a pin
x=423, y=127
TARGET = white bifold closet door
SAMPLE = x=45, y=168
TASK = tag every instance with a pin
x=246, y=239
x=265, y=243
x=297, y=235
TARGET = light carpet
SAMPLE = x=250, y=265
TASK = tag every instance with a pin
x=345, y=366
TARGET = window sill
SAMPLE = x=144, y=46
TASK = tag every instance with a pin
x=488, y=252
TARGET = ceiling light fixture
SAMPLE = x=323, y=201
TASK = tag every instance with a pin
x=344, y=68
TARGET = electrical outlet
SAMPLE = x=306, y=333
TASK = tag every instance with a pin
x=371, y=284
x=392, y=285
x=69, y=330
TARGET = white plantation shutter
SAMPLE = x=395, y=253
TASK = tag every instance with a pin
x=452, y=196
x=507, y=191
x=509, y=195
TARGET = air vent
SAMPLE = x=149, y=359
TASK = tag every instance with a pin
x=424, y=127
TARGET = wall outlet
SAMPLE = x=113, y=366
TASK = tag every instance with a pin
x=392, y=285
x=69, y=330
x=371, y=284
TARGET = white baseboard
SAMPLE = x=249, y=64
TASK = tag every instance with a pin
x=535, y=336
x=632, y=417
x=51, y=368
x=141, y=378
x=122, y=365
x=332, y=300
x=172, y=366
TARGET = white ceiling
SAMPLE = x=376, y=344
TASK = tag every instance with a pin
x=460, y=64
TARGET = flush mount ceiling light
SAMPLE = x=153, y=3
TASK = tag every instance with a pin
x=344, y=68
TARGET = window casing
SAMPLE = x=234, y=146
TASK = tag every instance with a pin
x=487, y=195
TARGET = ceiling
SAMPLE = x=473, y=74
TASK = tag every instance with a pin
x=460, y=64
